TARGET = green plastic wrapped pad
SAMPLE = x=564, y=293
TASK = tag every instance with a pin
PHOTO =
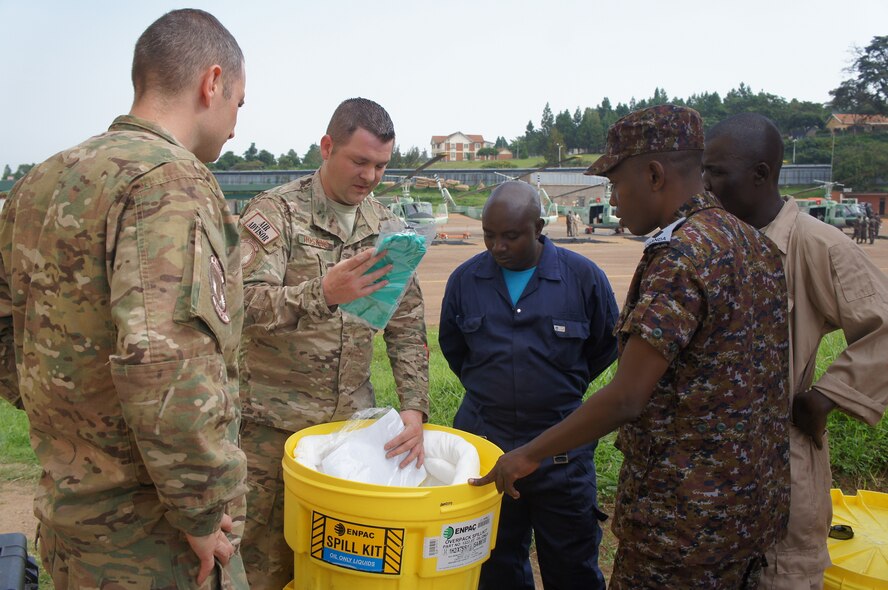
x=404, y=251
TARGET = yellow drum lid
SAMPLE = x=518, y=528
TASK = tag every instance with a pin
x=859, y=563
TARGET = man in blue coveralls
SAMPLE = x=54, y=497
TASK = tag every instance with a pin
x=527, y=326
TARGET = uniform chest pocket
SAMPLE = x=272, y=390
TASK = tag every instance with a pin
x=206, y=300
x=566, y=340
x=307, y=263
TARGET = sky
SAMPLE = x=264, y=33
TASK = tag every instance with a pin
x=479, y=66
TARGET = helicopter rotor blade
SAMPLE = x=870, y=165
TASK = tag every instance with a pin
x=518, y=178
x=413, y=173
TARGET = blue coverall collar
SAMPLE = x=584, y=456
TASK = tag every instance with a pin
x=547, y=267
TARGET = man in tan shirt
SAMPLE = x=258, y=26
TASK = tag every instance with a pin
x=832, y=285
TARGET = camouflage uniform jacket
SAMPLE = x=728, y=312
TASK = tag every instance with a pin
x=120, y=284
x=303, y=362
x=706, y=470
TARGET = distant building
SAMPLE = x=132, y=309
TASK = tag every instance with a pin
x=459, y=146
x=855, y=123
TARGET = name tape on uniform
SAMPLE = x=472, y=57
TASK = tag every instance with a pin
x=316, y=242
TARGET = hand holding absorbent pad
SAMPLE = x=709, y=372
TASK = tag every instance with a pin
x=356, y=453
x=404, y=250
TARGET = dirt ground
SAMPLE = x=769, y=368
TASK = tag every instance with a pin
x=617, y=255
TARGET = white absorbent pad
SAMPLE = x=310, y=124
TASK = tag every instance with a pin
x=359, y=455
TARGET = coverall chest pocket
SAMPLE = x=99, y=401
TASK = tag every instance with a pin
x=471, y=328
x=566, y=339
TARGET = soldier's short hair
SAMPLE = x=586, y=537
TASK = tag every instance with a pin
x=178, y=47
x=360, y=112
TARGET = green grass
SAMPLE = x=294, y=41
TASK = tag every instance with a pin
x=858, y=451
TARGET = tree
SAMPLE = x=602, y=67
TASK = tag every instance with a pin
x=252, y=153
x=547, y=121
x=227, y=161
x=590, y=134
x=487, y=151
x=551, y=153
x=248, y=165
x=866, y=92
x=565, y=125
x=267, y=158
x=22, y=170
x=312, y=158
x=501, y=142
x=7, y=173
x=289, y=161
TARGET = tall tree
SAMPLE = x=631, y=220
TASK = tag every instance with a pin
x=552, y=152
x=252, y=153
x=289, y=161
x=7, y=173
x=547, y=121
x=312, y=158
x=590, y=134
x=267, y=158
x=867, y=91
x=565, y=125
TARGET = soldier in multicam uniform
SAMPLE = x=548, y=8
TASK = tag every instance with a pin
x=306, y=248
x=833, y=285
x=700, y=390
x=120, y=296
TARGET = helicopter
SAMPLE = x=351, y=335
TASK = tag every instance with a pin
x=420, y=216
x=548, y=208
x=842, y=215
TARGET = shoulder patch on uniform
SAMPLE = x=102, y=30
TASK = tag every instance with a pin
x=217, y=289
x=665, y=234
x=258, y=225
x=316, y=242
x=249, y=249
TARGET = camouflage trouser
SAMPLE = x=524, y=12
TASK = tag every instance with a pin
x=161, y=561
x=267, y=557
x=637, y=571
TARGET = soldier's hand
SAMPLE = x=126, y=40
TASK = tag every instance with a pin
x=347, y=281
x=810, y=410
x=210, y=547
x=510, y=467
x=409, y=441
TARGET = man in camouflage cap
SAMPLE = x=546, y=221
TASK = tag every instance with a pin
x=700, y=390
x=307, y=247
x=121, y=309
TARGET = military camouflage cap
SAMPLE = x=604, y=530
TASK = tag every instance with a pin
x=663, y=128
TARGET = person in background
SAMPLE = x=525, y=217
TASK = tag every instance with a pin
x=526, y=326
x=833, y=285
x=120, y=319
x=700, y=391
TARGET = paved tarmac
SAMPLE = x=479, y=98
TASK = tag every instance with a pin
x=617, y=255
